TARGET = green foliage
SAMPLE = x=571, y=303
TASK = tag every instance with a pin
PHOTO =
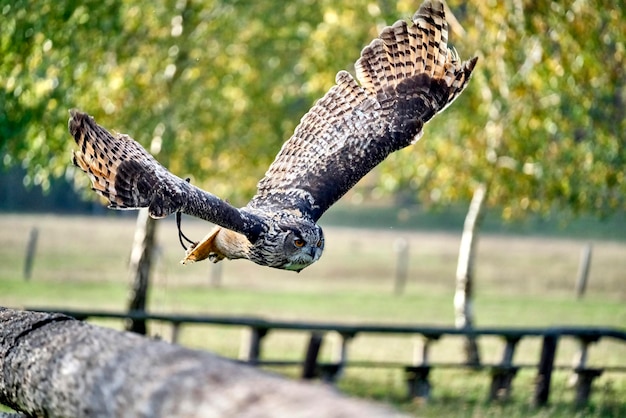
x=46, y=63
x=214, y=88
x=543, y=120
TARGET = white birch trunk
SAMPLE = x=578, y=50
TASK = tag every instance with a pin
x=140, y=268
x=463, y=303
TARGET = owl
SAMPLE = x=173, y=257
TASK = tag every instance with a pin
x=403, y=79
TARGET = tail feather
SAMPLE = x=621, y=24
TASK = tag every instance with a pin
x=416, y=54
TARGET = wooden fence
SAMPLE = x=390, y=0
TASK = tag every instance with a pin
x=417, y=374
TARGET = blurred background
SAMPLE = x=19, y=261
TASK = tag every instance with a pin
x=213, y=89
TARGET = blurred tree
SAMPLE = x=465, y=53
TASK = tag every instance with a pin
x=217, y=86
x=43, y=68
x=544, y=119
x=220, y=85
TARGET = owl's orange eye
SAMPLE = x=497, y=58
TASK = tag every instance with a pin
x=298, y=242
x=320, y=243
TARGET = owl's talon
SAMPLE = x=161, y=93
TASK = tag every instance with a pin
x=182, y=236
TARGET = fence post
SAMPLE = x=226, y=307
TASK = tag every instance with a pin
x=309, y=368
x=401, y=247
x=583, y=270
x=583, y=385
x=544, y=369
x=30, y=252
x=216, y=274
x=502, y=376
x=175, y=332
x=332, y=372
x=251, y=348
x=582, y=377
x=417, y=374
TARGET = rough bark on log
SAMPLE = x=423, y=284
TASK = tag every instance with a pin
x=52, y=365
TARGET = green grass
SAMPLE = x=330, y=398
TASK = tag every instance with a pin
x=462, y=394
x=81, y=262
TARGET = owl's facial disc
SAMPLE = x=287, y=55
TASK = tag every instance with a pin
x=303, y=247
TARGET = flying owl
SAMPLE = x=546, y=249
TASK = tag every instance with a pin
x=405, y=77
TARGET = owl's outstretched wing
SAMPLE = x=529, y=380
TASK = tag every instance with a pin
x=406, y=76
x=122, y=171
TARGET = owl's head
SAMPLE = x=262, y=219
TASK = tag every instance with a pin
x=292, y=243
x=302, y=246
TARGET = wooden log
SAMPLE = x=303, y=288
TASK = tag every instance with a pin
x=55, y=366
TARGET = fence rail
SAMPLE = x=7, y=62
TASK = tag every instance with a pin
x=417, y=373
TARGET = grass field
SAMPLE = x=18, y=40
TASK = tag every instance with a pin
x=81, y=262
